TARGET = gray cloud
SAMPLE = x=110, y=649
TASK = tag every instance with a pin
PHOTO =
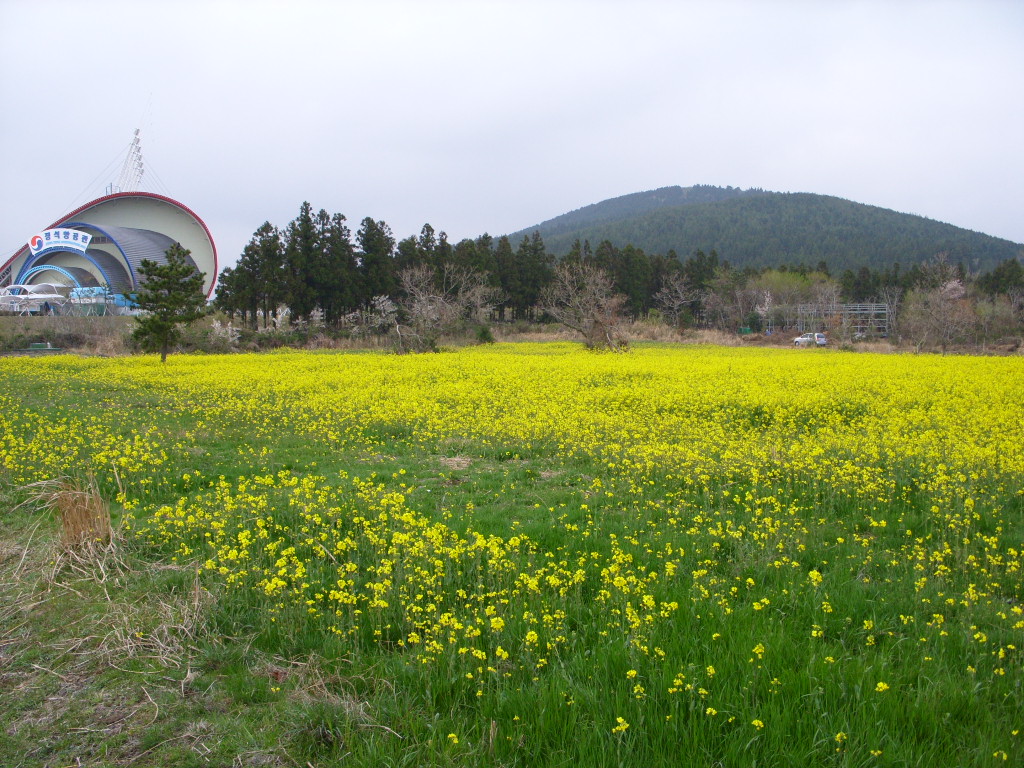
x=491, y=116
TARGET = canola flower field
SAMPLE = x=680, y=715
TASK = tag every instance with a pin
x=681, y=555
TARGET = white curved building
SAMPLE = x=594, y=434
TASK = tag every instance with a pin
x=102, y=244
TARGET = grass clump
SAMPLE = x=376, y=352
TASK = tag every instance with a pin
x=83, y=513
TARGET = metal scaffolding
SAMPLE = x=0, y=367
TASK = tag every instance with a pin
x=854, y=320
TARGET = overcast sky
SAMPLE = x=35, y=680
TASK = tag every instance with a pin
x=493, y=116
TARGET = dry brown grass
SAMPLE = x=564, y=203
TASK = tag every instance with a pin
x=163, y=631
x=879, y=347
x=514, y=332
x=88, y=563
x=84, y=514
x=323, y=341
x=78, y=335
x=310, y=684
x=456, y=462
x=711, y=337
x=111, y=345
x=650, y=330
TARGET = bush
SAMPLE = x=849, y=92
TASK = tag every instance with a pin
x=753, y=322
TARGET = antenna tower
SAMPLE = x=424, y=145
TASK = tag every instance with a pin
x=132, y=170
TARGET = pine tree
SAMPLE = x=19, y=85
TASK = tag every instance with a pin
x=335, y=275
x=376, y=260
x=300, y=251
x=507, y=275
x=257, y=281
x=171, y=295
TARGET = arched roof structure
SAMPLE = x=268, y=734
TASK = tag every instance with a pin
x=118, y=231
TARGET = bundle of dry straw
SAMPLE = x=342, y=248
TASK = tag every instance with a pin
x=84, y=515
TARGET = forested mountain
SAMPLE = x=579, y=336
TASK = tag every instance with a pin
x=761, y=229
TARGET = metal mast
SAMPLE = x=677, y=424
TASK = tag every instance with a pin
x=132, y=170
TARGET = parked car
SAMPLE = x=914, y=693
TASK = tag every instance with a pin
x=811, y=339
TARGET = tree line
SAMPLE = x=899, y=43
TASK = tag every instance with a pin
x=316, y=266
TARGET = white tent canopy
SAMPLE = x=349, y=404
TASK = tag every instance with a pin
x=27, y=299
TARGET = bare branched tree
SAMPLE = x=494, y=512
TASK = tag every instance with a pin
x=993, y=319
x=581, y=297
x=1016, y=297
x=825, y=296
x=435, y=304
x=938, y=272
x=728, y=303
x=676, y=296
x=381, y=317
x=939, y=316
x=470, y=292
x=892, y=297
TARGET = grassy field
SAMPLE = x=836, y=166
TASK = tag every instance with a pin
x=513, y=555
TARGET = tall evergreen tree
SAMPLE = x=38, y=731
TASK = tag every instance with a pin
x=1006, y=277
x=443, y=250
x=407, y=254
x=634, y=279
x=533, y=268
x=700, y=269
x=301, y=245
x=376, y=260
x=471, y=255
x=507, y=275
x=263, y=257
x=335, y=278
x=427, y=245
x=859, y=286
x=171, y=295
x=234, y=294
x=256, y=283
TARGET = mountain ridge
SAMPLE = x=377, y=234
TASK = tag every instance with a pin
x=758, y=228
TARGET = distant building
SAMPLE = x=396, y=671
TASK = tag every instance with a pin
x=100, y=246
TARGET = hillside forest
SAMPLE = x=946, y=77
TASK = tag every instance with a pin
x=315, y=270
x=757, y=228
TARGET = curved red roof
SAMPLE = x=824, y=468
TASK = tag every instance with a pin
x=121, y=195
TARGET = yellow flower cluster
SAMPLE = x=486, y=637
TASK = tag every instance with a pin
x=713, y=518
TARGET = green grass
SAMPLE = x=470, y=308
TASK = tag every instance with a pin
x=128, y=658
